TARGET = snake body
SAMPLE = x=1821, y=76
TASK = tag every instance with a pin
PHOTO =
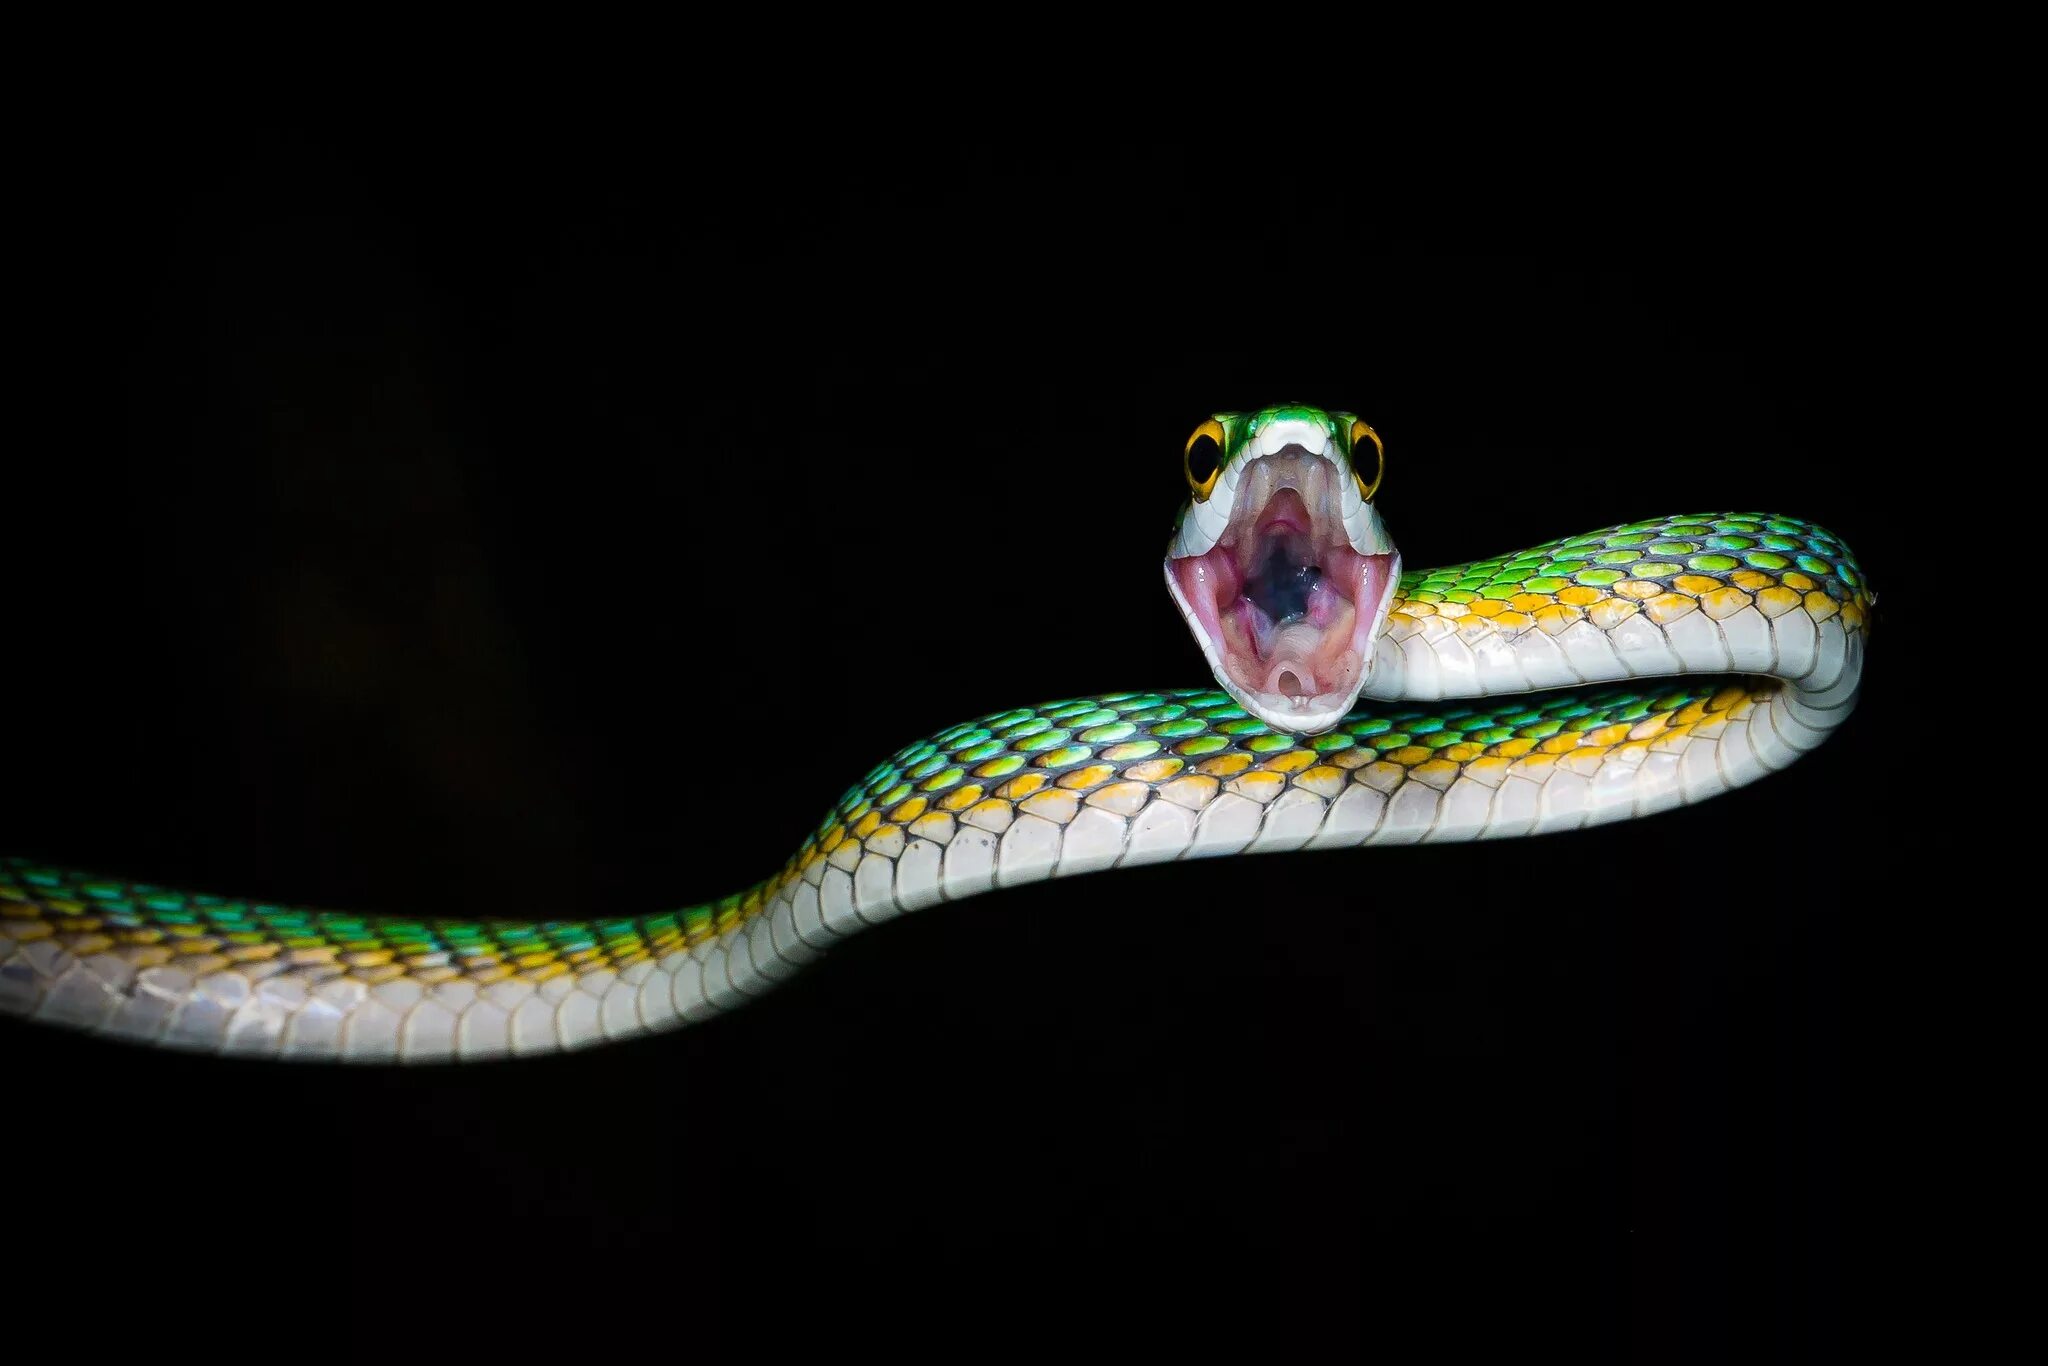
x=1600, y=678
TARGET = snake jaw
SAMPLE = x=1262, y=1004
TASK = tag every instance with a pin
x=1289, y=599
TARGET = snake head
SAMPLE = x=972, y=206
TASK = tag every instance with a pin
x=1279, y=561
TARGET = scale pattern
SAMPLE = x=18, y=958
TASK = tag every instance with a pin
x=1766, y=667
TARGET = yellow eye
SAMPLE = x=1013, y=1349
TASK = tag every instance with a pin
x=1367, y=487
x=1203, y=459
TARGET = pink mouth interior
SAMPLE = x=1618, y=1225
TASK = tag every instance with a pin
x=1286, y=600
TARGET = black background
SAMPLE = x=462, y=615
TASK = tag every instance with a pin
x=449, y=519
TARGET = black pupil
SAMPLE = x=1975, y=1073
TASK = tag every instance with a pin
x=1203, y=458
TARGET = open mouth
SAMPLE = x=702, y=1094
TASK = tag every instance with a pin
x=1286, y=606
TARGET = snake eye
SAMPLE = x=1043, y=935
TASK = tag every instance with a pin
x=1367, y=487
x=1203, y=459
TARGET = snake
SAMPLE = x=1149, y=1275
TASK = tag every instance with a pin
x=1601, y=677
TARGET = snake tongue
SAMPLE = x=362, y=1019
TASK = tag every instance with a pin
x=1290, y=659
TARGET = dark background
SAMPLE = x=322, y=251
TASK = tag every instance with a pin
x=450, y=519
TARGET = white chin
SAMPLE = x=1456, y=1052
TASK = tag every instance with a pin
x=1304, y=715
